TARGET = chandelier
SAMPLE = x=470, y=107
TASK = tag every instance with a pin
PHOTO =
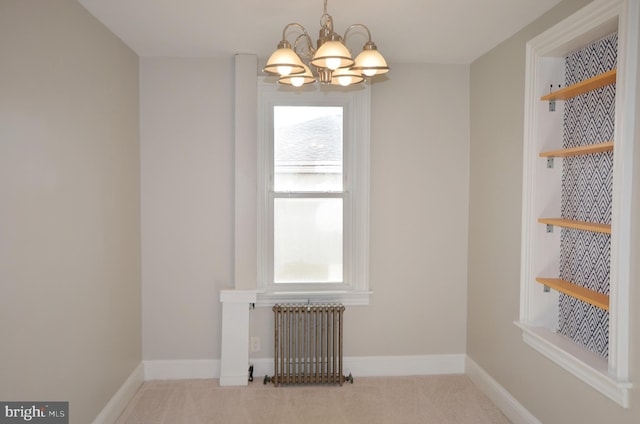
x=330, y=58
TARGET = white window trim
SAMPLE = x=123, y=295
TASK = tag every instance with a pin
x=357, y=106
x=609, y=377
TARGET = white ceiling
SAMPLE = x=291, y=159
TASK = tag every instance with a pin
x=407, y=31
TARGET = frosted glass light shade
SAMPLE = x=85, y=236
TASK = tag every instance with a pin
x=332, y=55
x=370, y=62
x=346, y=76
x=298, y=80
x=283, y=62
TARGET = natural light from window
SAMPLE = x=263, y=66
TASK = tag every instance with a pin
x=313, y=194
x=308, y=194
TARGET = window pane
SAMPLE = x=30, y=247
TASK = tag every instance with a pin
x=307, y=148
x=307, y=240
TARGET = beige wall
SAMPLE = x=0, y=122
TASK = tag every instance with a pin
x=546, y=390
x=186, y=124
x=70, y=319
x=419, y=207
x=70, y=228
x=419, y=204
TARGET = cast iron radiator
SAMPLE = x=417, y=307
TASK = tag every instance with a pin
x=308, y=345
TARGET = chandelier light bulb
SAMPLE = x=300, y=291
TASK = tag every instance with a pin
x=297, y=81
x=345, y=77
x=369, y=72
x=284, y=70
x=333, y=63
x=344, y=81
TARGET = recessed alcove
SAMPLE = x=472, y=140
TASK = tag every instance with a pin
x=576, y=170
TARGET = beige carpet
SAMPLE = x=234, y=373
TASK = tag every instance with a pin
x=431, y=399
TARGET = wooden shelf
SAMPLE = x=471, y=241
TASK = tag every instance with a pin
x=578, y=225
x=582, y=87
x=592, y=297
x=581, y=150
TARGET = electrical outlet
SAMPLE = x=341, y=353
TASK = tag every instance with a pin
x=255, y=344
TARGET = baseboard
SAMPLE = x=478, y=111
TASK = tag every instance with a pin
x=384, y=366
x=121, y=398
x=366, y=366
x=393, y=366
x=183, y=369
x=509, y=405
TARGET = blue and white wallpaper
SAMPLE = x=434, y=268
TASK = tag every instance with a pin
x=587, y=182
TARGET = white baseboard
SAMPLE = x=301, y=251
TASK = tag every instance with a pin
x=121, y=398
x=509, y=405
x=393, y=366
x=184, y=369
x=366, y=366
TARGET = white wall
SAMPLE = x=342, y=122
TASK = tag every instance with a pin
x=552, y=394
x=70, y=315
x=419, y=204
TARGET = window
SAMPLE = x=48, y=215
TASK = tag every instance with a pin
x=307, y=199
x=313, y=194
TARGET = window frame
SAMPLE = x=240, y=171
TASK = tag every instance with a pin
x=356, y=152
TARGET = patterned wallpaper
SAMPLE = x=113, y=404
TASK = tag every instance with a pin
x=586, y=195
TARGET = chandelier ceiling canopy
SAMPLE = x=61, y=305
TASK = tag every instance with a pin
x=330, y=58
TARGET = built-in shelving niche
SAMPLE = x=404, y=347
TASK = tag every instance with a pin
x=554, y=217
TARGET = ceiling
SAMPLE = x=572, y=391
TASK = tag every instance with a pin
x=406, y=31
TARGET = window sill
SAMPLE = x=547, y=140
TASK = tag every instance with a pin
x=587, y=366
x=347, y=298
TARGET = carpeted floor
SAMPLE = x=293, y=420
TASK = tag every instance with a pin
x=438, y=399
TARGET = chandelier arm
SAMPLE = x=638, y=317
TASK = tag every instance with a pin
x=326, y=22
x=354, y=26
x=291, y=25
x=304, y=36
